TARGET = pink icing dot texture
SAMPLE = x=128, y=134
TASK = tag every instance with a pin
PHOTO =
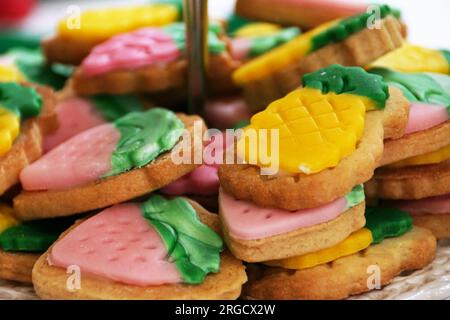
x=75, y=115
x=131, y=50
x=118, y=244
x=247, y=221
x=82, y=159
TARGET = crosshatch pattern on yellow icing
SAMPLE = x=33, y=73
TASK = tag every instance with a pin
x=315, y=130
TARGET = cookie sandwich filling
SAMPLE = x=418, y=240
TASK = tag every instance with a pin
x=304, y=44
x=156, y=242
x=130, y=142
x=247, y=221
x=17, y=103
x=381, y=223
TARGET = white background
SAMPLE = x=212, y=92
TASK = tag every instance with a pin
x=428, y=20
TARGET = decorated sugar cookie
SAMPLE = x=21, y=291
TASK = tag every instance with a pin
x=157, y=249
x=150, y=60
x=278, y=72
x=133, y=150
x=337, y=119
x=77, y=35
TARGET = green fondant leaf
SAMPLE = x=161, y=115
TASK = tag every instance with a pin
x=143, y=137
x=114, y=107
x=241, y=124
x=14, y=39
x=236, y=22
x=387, y=223
x=355, y=197
x=34, y=236
x=346, y=27
x=178, y=34
x=351, y=80
x=422, y=87
x=177, y=3
x=32, y=64
x=446, y=55
x=191, y=245
x=263, y=44
x=24, y=101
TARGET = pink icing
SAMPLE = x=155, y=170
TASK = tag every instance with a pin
x=131, y=50
x=225, y=112
x=247, y=221
x=202, y=181
x=81, y=159
x=75, y=115
x=240, y=48
x=117, y=244
x=424, y=116
x=432, y=205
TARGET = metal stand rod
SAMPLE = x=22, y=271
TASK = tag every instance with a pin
x=196, y=19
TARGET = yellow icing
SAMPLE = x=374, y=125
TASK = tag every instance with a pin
x=9, y=73
x=9, y=129
x=257, y=29
x=7, y=218
x=412, y=58
x=278, y=58
x=97, y=25
x=315, y=130
x=356, y=242
x=437, y=156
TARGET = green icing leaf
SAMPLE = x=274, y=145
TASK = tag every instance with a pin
x=143, y=137
x=236, y=22
x=241, y=124
x=24, y=101
x=14, y=39
x=422, y=87
x=32, y=64
x=387, y=223
x=191, y=245
x=446, y=55
x=351, y=80
x=178, y=34
x=177, y=3
x=34, y=236
x=114, y=107
x=346, y=27
x=263, y=44
x=356, y=196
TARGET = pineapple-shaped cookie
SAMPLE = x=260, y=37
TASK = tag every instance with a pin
x=317, y=125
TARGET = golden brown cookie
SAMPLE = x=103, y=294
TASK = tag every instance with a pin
x=297, y=242
x=345, y=276
x=50, y=282
x=359, y=49
x=157, y=78
x=28, y=145
x=409, y=183
x=17, y=266
x=67, y=50
x=302, y=191
x=30, y=205
x=416, y=143
x=439, y=224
